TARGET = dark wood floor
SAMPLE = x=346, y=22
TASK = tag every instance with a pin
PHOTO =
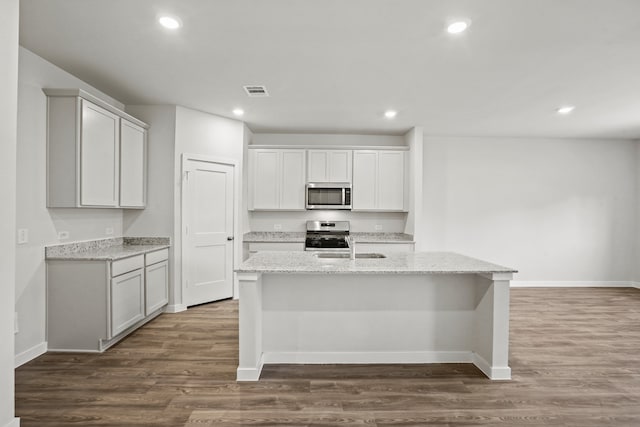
x=575, y=357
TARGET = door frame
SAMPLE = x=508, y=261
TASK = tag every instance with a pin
x=237, y=246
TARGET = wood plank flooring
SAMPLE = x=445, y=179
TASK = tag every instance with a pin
x=575, y=357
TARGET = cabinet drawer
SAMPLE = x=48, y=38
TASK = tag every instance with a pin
x=157, y=256
x=125, y=265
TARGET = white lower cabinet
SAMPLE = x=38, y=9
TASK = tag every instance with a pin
x=127, y=300
x=157, y=279
x=92, y=304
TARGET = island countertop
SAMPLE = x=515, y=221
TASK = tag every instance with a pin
x=394, y=263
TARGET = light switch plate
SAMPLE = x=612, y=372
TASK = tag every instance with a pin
x=23, y=236
x=63, y=235
x=108, y=231
x=378, y=227
x=277, y=226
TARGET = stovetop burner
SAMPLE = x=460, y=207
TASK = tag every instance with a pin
x=326, y=235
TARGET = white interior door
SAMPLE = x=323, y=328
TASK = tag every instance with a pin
x=208, y=231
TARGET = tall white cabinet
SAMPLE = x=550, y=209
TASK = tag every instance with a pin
x=96, y=153
x=277, y=179
x=379, y=180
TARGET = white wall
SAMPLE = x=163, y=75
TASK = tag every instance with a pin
x=156, y=220
x=555, y=209
x=8, y=118
x=248, y=136
x=43, y=224
x=390, y=222
x=636, y=256
x=415, y=141
x=208, y=135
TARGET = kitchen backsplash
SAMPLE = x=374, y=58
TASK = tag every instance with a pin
x=391, y=222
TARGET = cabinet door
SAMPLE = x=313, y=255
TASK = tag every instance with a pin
x=157, y=279
x=127, y=301
x=339, y=166
x=391, y=180
x=292, y=184
x=132, y=165
x=98, y=156
x=365, y=166
x=317, y=165
x=266, y=183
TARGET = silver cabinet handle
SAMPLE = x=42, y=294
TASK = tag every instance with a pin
x=230, y=238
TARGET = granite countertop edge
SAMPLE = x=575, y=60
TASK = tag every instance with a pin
x=110, y=249
x=403, y=263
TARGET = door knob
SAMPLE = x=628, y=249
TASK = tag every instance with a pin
x=230, y=238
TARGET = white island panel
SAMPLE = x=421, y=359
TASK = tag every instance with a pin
x=430, y=311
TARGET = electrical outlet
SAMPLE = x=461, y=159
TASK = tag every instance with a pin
x=277, y=226
x=15, y=323
x=108, y=231
x=23, y=236
x=378, y=227
x=63, y=235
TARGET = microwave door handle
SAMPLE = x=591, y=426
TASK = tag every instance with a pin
x=344, y=196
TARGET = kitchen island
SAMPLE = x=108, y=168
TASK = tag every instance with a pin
x=425, y=307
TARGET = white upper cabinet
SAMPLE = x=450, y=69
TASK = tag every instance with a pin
x=379, y=180
x=96, y=154
x=277, y=179
x=133, y=154
x=292, y=183
x=329, y=165
x=365, y=171
x=99, y=146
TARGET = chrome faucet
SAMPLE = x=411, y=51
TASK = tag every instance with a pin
x=351, y=243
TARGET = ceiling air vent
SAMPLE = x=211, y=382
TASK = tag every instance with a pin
x=256, y=90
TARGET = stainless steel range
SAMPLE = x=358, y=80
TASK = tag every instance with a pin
x=327, y=236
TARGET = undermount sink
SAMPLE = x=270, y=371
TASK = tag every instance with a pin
x=347, y=256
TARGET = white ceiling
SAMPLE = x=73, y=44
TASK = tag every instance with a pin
x=337, y=65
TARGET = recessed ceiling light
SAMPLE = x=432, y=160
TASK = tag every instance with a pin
x=390, y=114
x=565, y=109
x=458, y=27
x=238, y=111
x=170, y=22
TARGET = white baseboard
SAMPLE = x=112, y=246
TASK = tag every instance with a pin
x=175, y=308
x=493, y=372
x=13, y=423
x=250, y=374
x=30, y=354
x=369, y=357
x=573, y=284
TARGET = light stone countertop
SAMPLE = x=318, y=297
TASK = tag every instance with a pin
x=394, y=263
x=274, y=237
x=299, y=236
x=106, y=249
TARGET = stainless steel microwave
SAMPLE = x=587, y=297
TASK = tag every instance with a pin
x=328, y=195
